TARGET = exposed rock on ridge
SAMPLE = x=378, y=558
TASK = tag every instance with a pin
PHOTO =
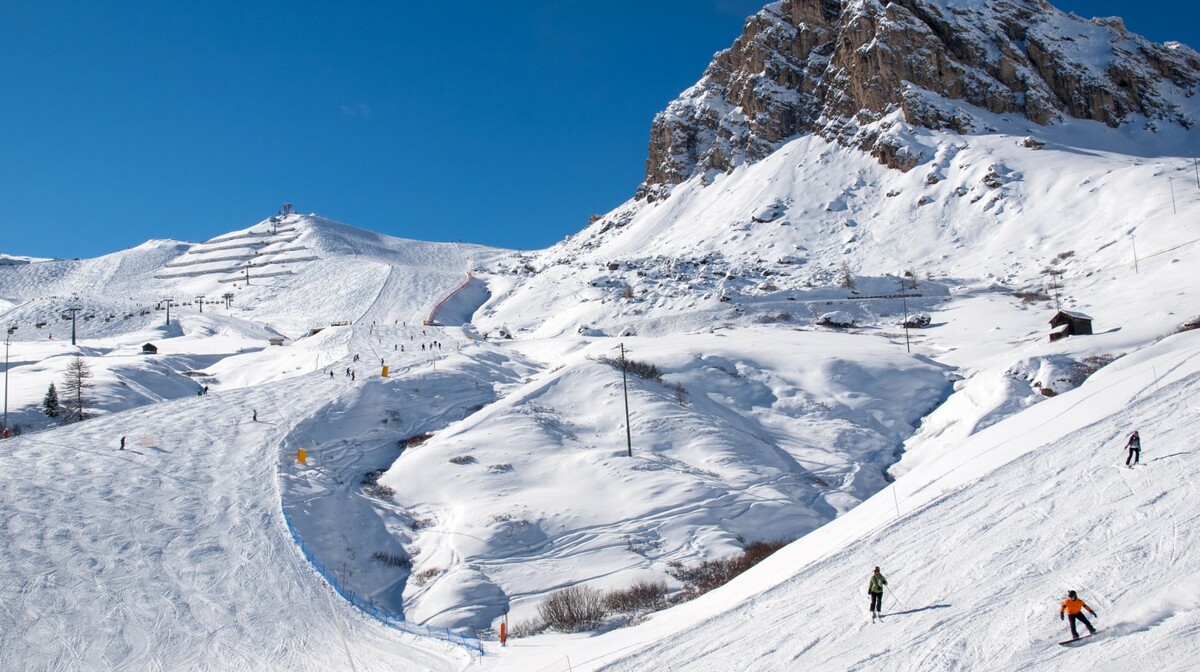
x=839, y=67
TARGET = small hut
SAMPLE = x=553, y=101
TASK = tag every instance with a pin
x=149, y=349
x=1069, y=323
x=275, y=341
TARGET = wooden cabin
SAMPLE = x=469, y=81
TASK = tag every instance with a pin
x=149, y=349
x=1069, y=323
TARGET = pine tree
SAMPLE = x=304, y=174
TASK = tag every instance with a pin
x=50, y=405
x=75, y=387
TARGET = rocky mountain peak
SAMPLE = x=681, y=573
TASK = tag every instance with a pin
x=843, y=68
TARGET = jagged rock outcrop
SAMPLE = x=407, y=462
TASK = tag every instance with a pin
x=837, y=67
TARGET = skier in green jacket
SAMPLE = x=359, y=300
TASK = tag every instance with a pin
x=875, y=590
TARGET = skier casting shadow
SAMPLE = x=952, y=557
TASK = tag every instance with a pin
x=875, y=590
x=1073, y=606
x=1135, y=449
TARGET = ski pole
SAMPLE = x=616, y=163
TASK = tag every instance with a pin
x=889, y=590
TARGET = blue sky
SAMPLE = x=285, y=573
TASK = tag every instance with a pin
x=504, y=124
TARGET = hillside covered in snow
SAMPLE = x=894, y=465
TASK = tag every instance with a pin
x=310, y=446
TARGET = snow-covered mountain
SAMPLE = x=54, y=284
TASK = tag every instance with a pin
x=843, y=167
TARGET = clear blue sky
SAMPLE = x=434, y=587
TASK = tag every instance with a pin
x=501, y=123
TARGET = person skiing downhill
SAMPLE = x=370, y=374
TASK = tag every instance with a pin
x=875, y=590
x=1135, y=449
x=1073, y=606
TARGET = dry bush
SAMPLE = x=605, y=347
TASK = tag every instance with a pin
x=1032, y=295
x=392, y=559
x=710, y=574
x=639, y=369
x=380, y=491
x=415, y=440
x=463, y=459
x=573, y=609
x=641, y=596
x=423, y=577
x=527, y=628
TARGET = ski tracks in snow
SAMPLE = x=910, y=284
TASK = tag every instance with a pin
x=174, y=558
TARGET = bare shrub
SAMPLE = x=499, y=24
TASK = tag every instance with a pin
x=380, y=491
x=500, y=468
x=425, y=576
x=1031, y=295
x=680, y=393
x=463, y=459
x=573, y=609
x=372, y=477
x=845, y=276
x=641, y=596
x=710, y=574
x=527, y=628
x=415, y=440
x=392, y=559
x=639, y=369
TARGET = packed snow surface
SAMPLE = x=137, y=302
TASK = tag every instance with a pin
x=462, y=417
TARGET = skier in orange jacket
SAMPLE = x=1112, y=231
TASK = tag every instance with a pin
x=1073, y=606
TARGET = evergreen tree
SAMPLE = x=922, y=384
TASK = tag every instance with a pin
x=50, y=405
x=75, y=387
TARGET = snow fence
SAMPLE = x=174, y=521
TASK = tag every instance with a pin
x=371, y=609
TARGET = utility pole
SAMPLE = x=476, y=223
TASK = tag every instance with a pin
x=168, y=301
x=1135, y=261
x=228, y=296
x=1055, y=281
x=904, y=298
x=625, y=386
x=73, y=311
x=200, y=300
x=1196, y=165
x=247, y=273
x=7, y=338
x=1171, y=181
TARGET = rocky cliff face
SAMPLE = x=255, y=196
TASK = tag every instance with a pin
x=842, y=68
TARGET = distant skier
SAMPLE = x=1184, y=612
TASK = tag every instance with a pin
x=1073, y=606
x=351, y=376
x=331, y=375
x=206, y=390
x=122, y=443
x=1135, y=449
x=875, y=590
x=255, y=416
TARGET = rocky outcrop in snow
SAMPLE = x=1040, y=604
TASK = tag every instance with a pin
x=839, y=68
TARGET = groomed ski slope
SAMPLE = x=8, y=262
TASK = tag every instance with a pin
x=173, y=554
x=980, y=546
